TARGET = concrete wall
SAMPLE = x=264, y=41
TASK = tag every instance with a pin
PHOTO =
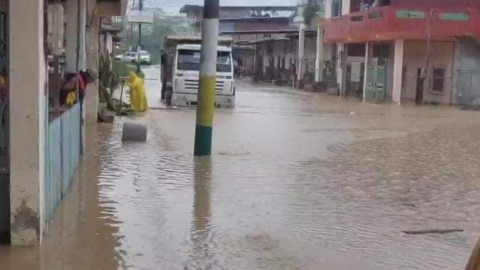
x=71, y=12
x=415, y=57
x=92, y=58
x=466, y=71
x=27, y=121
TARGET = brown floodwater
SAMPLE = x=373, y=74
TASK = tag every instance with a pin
x=297, y=180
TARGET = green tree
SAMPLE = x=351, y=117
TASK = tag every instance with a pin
x=153, y=34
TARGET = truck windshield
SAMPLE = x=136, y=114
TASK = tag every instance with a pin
x=190, y=60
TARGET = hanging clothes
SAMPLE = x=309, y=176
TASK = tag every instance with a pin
x=138, y=98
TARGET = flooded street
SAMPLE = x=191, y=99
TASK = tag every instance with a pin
x=297, y=181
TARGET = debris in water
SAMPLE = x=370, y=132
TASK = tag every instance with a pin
x=415, y=232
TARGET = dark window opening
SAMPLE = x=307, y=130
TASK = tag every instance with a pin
x=438, y=79
x=356, y=50
x=381, y=51
x=356, y=18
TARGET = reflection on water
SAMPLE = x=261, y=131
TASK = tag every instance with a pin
x=201, y=215
x=297, y=181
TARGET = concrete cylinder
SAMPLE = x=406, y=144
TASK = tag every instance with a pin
x=134, y=132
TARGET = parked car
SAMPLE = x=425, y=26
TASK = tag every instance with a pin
x=132, y=57
x=126, y=57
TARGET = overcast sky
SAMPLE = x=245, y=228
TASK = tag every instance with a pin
x=174, y=6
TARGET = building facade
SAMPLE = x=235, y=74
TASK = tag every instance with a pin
x=41, y=138
x=405, y=51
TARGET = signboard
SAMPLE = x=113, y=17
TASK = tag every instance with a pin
x=137, y=16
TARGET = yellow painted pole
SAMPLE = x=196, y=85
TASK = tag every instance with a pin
x=208, y=70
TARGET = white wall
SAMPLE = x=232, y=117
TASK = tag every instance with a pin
x=71, y=12
x=27, y=121
x=328, y=9
x=346, y=7
x=415, y=56
x=92, y=58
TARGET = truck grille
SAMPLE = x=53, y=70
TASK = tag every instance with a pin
x=192, y=85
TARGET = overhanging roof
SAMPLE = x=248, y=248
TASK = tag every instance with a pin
x=254, y=32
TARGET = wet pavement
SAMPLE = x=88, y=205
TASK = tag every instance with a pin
x=297, y=180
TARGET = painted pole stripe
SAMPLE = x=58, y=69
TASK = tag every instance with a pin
x=209, y=47
x=206, y=101
x=203, y=141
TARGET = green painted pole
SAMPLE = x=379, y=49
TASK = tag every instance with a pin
x=208, y=70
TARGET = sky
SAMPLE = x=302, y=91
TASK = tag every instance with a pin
x=174, y=6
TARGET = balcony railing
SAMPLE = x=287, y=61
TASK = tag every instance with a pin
x=389, y=23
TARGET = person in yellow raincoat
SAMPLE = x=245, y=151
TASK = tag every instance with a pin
x=138, y=98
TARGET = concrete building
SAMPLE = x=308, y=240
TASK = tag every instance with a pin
x=232, y=15
x=403, y=51
x=254, y=29
x=42, y=140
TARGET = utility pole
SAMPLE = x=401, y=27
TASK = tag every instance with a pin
x=208, y=70
x=139, y=46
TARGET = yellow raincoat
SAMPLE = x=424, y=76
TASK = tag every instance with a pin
x=138, y=98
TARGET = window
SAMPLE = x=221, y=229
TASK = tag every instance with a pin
x=438, y=79
x=449, y=16
x=336, y=8
x=375, y=15
x=407, y=14
x=190, y=60
x=356, y=18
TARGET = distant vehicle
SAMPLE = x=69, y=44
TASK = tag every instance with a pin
x=180, y=70
x=132, y=57
x=126, y=57
x=145, y=57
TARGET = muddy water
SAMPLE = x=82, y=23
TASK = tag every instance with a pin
x=297, y=181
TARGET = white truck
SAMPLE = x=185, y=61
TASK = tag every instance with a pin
x=180, y=71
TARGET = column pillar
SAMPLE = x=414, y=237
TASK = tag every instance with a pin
x=301, y=55
x=398, y=71
x=71, y=13
x=27, y=121
x=342, y=68
x=368, y=58
x=91, y=96
x=319, y=59
x=109, y=43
